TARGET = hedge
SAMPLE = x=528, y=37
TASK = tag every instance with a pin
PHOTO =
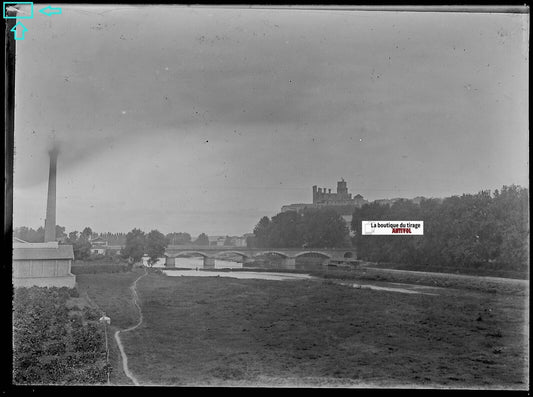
x=100, y=268
x=53, y=344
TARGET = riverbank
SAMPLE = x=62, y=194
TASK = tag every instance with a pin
x=483, y=270
x=226, y=331
x=366, y=273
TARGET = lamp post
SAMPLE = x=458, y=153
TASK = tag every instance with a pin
x=106, y=321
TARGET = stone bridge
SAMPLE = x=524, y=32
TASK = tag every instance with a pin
x=288, y=255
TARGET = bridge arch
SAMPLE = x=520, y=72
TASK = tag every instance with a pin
x=188, y=253
x=221, y=253
x=313, y=252
x=283, y=255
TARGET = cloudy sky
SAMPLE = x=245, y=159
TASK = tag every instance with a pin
x=205, y=119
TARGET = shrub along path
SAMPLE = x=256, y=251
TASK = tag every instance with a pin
x=111, y=293
x=117, y=333
x=57, y=339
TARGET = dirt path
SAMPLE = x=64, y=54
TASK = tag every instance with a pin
x=117, y=334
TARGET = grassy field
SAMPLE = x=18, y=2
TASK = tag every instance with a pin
x=457, y=281
x=224, y=331
x=487, y=270
x=434, y=279
x=110, y=293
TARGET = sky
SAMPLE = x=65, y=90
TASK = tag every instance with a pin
x=203, y=120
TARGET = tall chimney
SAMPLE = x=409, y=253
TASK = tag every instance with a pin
x=50, y=221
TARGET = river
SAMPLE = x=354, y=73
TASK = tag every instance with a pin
x=196, y=266
x=193, y=263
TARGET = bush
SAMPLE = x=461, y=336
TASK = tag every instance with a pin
x=157, y=271
x=53, y=346
x=100, y=268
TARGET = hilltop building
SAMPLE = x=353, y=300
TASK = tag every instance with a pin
x=342, y=197
x=341, y=201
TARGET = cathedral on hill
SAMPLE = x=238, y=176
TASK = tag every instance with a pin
x=341, y=200
x=321, y=197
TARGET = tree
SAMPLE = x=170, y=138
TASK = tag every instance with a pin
x=324, y=228
x=60, y=232
x=261, y=232
x=80, y=245
x=72, y=237
x=202, y=239
x=285, y=230
x=251, y=242
x=82, y=248
x=21, y=233
x=467, y=231
x=510, y=207
x=135, y=245
x=29, y=235
x=227, y=241
x=156, y=244
x=179, y=238
x=87, y=233
x=318, y=228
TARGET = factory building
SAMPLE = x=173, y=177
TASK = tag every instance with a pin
x=45, y=264
x=42, y=264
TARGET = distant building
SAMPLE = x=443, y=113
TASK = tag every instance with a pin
x=321, y=197
x=114, y=249
x=99, y=246
x=217, y=241
x=295, y=207
x=385, y=201
x=389, y=202
x=341, y=201
x=42, y=264
x=231, y=241
x=236, y=241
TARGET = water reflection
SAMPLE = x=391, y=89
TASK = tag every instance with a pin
x=241, y=275
x=193, y=263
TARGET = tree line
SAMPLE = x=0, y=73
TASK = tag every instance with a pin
x=36, y=236
x=471, y=230
x=154, y=244
x=311, y=228
x=81, y=241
